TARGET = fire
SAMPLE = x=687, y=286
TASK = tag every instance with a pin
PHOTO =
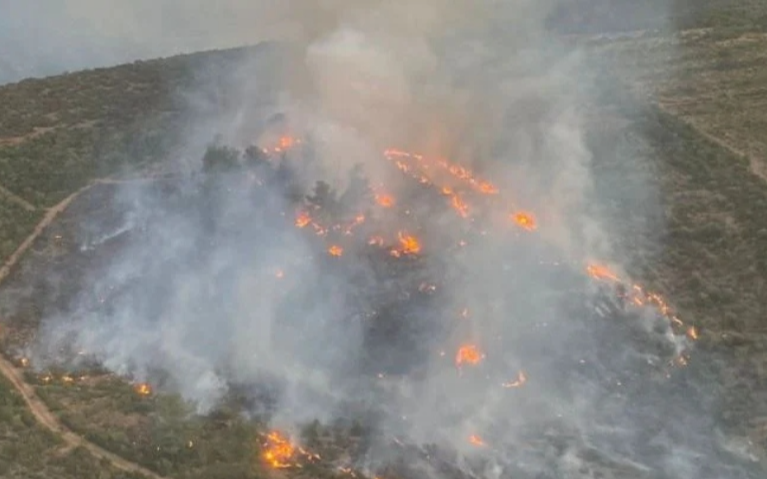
x=525, y=221
x=278, y=451
x=143, y=389
x=284, y=143
x=601, y=272
x=692, y=333
x=460, y=206
x=24, y=362
x=387, y=201
x=468, y=354
x=519, y=382
x=476, y=440
x=487, y=188
x=287, y=142
x=358, y=220
x=459, y=187
x=409, y=244
x=303, y=220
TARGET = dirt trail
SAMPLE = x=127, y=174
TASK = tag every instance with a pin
x=50, y=215
x=49, y=421
x=10, y=195
x=15, y=376
x=756, y=165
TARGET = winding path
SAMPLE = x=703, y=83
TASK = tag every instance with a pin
x=11, y=196
x=38, y=408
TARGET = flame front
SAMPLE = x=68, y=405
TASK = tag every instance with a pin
x=278, y=451
x=468, y=354
x=303, y=219
x=525, y=221
x=143, y=389
x=384, y=200
x=409, y=244
x=692, y=333
x=601, y=272
x=461, y=189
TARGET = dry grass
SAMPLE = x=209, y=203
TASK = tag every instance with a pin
x=715, y=80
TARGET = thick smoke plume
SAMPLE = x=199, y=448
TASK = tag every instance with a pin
x=216, y=288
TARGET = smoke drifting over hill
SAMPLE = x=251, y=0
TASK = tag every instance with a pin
x=479, y=323
x=48, y=37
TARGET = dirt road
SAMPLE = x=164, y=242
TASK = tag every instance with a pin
x=49, y=421
x=50, y=215
x=15, y=376
x=11, y=196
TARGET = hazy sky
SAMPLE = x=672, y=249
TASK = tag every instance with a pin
x=43, y=37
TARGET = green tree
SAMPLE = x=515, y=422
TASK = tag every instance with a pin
x=219, y=159
x=255, y=157
x=323, y=197
x=358, y=193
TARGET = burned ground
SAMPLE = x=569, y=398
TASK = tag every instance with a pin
x=401, y=302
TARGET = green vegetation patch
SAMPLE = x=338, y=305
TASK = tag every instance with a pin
x=27, y=450
x=58, y=133
x=159, y=432
x=16, y=223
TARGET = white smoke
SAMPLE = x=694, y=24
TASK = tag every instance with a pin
x=481, y=82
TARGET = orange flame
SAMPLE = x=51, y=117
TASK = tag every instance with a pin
x=468, y=354
x=476, y=440
x=358, y=220
x=525, y=221
x=278, y=451
x=387, y=201
x=692, y=333
x=287, y=142
x=601, y=272
x=460, y=206
x=409, y=244
x=282, y=144
x=303, y=219
x=143, y=389
x=336, y=251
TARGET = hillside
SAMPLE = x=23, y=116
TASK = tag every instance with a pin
x=690, y=104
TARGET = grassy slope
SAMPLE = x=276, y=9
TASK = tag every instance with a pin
x=28, y=451
x=57, y=133
x=15, y=224
x=706, y=252
x=715, y=80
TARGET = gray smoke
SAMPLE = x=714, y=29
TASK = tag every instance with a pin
x=203, y=298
